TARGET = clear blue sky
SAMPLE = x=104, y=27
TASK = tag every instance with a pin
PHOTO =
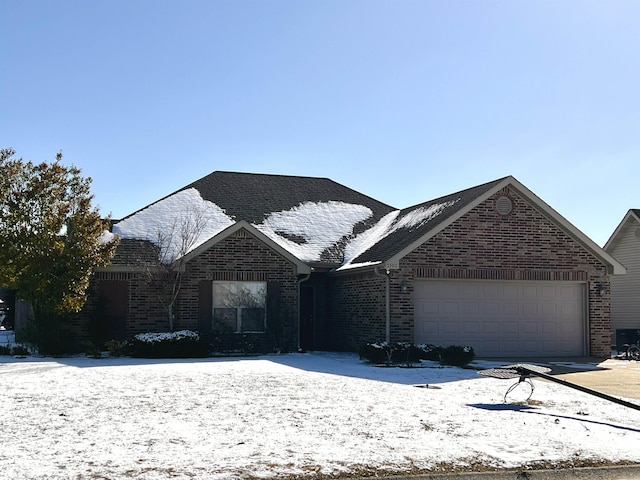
x=402, y=100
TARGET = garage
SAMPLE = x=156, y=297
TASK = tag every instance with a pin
x=502, y=318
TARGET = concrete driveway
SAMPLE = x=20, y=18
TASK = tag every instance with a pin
x=620, y=378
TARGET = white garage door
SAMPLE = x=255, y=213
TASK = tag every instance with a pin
x=502, y=319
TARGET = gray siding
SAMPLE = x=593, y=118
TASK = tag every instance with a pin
x=625, y=289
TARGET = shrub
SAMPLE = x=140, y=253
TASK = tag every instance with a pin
x=429, y=352
x=404, y=353
x=92, y=350
x=395, y=353
x=182, y=344
x=20, y=351
x=118, y=348
x=457, y=355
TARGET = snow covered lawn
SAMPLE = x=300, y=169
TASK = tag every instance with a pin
x=297, y=414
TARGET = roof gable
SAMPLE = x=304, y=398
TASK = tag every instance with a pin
x=399, y=234
x=632, y=217
x=301, y=267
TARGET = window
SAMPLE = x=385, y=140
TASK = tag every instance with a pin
x=239, y=306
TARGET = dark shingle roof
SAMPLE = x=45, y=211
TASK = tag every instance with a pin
x=252, y=197
x=135, y=253
x=404, y=236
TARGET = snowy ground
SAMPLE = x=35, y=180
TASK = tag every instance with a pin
x=297, y=414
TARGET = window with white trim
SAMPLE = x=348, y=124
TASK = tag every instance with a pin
x=239, y=306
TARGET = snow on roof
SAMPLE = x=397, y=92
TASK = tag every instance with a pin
x=313, y=226
x=389, y=224
x=305, y=231
x=166, y=217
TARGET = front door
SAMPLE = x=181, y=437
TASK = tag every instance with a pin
x=307, y=325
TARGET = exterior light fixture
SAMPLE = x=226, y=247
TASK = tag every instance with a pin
x=600, y=288
x=403, y=286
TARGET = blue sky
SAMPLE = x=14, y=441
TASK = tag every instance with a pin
x=402, y=100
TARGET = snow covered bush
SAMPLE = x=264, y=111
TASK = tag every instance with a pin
x=181, y=344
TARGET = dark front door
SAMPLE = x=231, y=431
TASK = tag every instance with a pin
x=307, y=311
x=113, y=308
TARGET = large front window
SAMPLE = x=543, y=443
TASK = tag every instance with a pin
x=239, y=306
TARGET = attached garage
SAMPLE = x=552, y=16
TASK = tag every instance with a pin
x=503, y=318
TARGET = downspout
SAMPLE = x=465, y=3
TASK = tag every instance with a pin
x=387, y=302
x=306, y=277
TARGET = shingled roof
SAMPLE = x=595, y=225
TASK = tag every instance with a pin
x=413, y=223
x=286, y=208
x=253, y=197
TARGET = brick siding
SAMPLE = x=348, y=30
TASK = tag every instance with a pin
x=483, y=244
x=239, y=257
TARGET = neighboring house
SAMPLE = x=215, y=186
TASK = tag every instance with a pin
x=308, y=263
x=624, y=246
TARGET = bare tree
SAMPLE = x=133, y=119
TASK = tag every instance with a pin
x=165, y=274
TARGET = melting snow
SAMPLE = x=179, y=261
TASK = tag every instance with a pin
x=166, y=217
x=321, y=225
x=386, y=226
x=316, y=225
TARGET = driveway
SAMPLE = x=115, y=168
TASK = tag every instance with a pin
x=615, y=377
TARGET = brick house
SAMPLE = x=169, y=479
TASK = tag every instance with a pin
x=296, y=262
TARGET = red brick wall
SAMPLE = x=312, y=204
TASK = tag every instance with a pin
x=523, y=245
x=356, y=310
x=240, y=257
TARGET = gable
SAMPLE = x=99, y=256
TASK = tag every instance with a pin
x=403, y=230
x=523, y=241
x=243, y=229
x=627, y=230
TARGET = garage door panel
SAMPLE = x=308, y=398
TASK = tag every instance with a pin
x=506, y=349
x=529, y=310
x=450, y=308
x=489, y=308
x=510, y=308
x=491, y=327
x=469, y=308
x=502, y=318
x=470, y=327
x=510, y=327
x=426, y=308
x=489, y=291
x=448, y=328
